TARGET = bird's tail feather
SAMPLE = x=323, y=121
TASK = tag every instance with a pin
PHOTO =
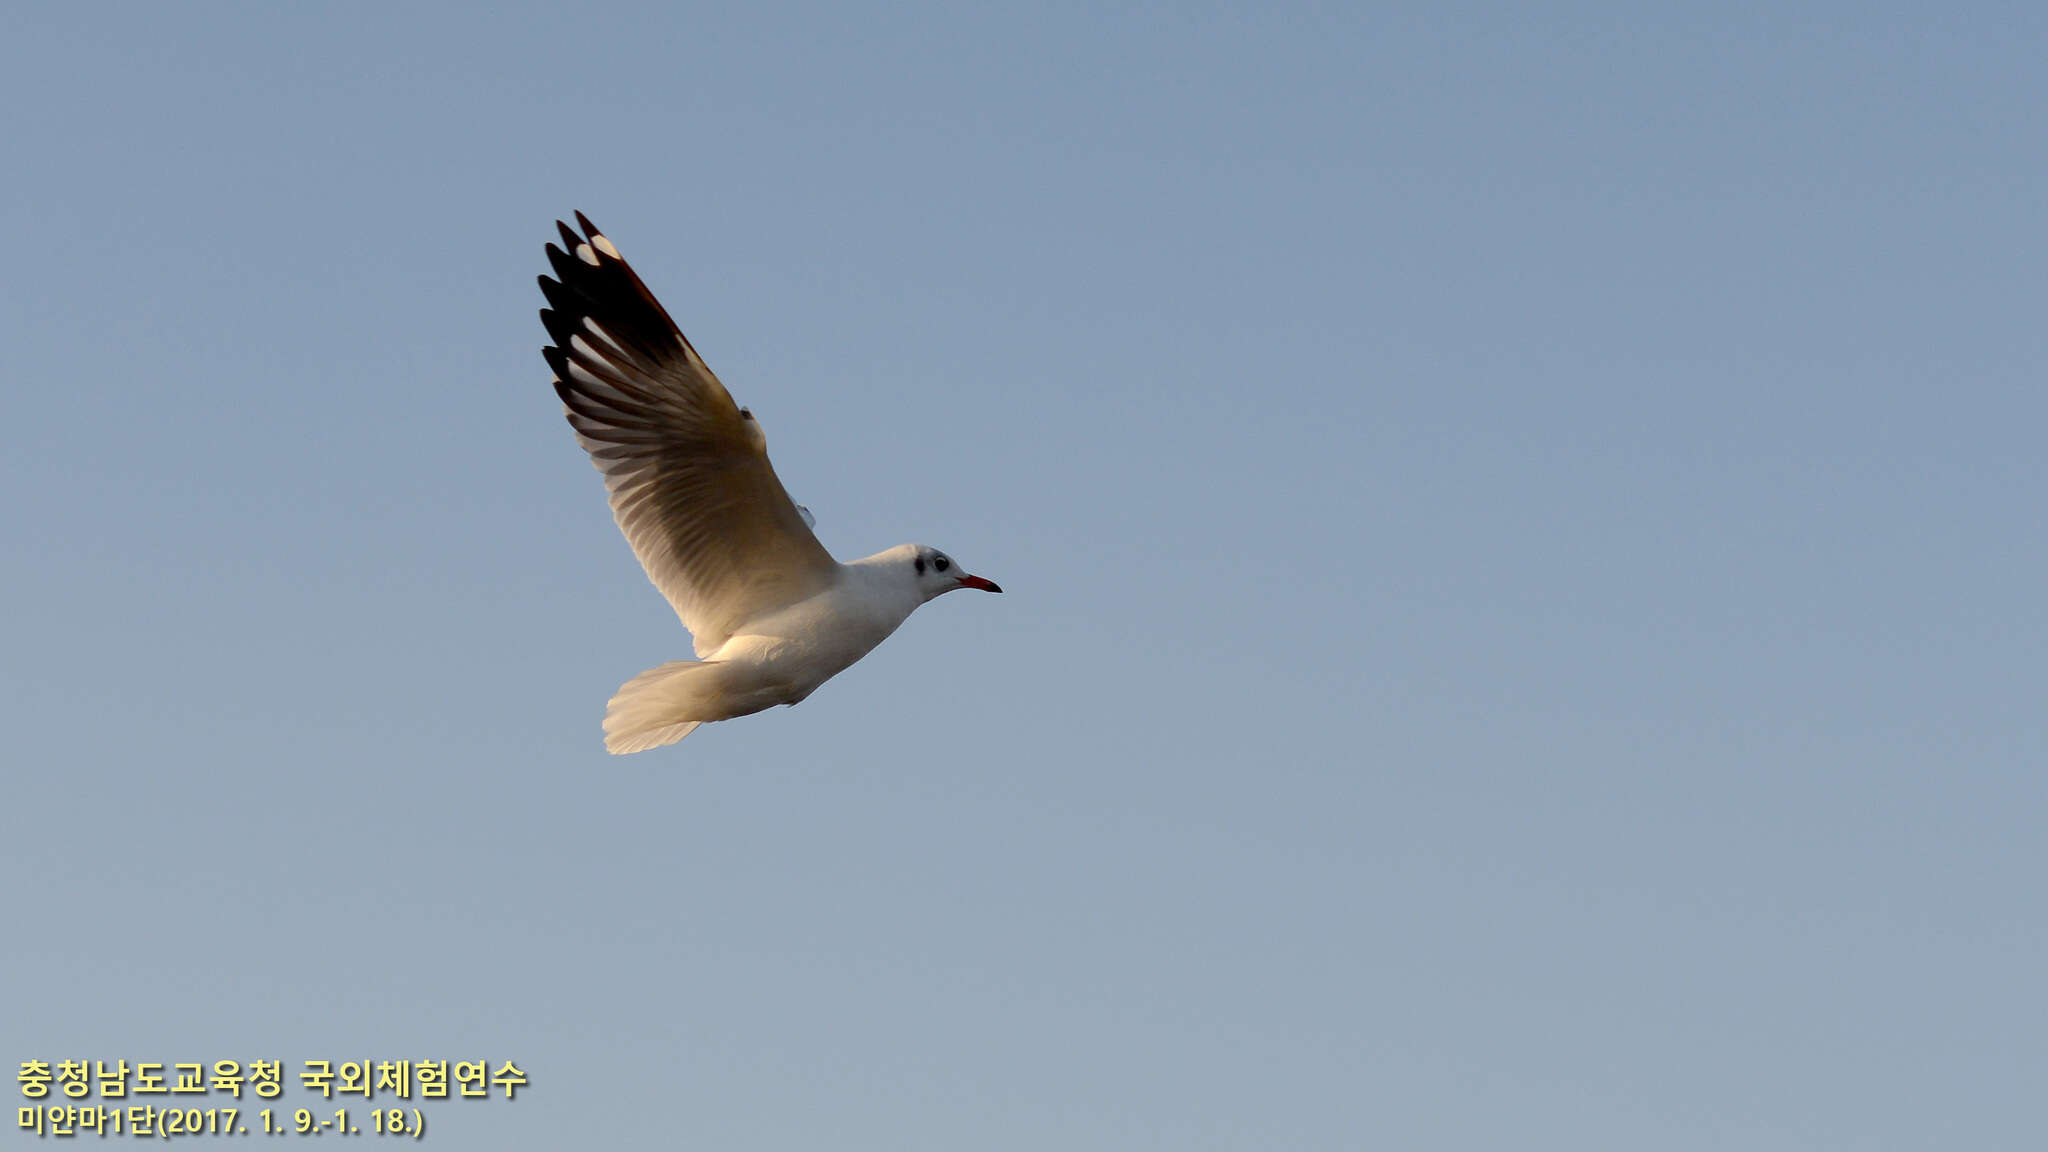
x=661, y=706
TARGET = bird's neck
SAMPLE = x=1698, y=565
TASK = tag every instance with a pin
x=884, y=580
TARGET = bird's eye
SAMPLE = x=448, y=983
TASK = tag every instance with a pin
x=941, y=563
x=919, y=565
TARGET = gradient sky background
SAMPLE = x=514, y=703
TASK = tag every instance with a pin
x=1523, y=529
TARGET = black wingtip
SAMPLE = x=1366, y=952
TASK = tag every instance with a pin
x=589, y=229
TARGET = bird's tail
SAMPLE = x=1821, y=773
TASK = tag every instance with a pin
x=661, y=706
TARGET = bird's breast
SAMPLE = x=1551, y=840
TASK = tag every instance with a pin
x=807, y=643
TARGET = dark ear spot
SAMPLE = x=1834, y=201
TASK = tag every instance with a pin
x=919, y=565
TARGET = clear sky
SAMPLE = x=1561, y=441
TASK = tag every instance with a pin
x=1522, y=529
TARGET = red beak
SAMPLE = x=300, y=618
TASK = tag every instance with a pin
x=978, y=582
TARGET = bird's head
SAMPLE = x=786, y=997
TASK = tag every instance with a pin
x=937, y=573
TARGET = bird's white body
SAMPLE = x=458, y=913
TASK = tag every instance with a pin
x=781, y=657
x=800, y=647
x=772, y=614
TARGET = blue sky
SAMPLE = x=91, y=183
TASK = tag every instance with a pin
x=1521, y=529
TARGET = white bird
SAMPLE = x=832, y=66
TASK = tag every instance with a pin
x=771, y=614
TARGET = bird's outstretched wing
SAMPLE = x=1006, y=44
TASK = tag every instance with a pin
x=687, y=468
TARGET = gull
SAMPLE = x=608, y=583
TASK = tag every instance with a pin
x=771, y=615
